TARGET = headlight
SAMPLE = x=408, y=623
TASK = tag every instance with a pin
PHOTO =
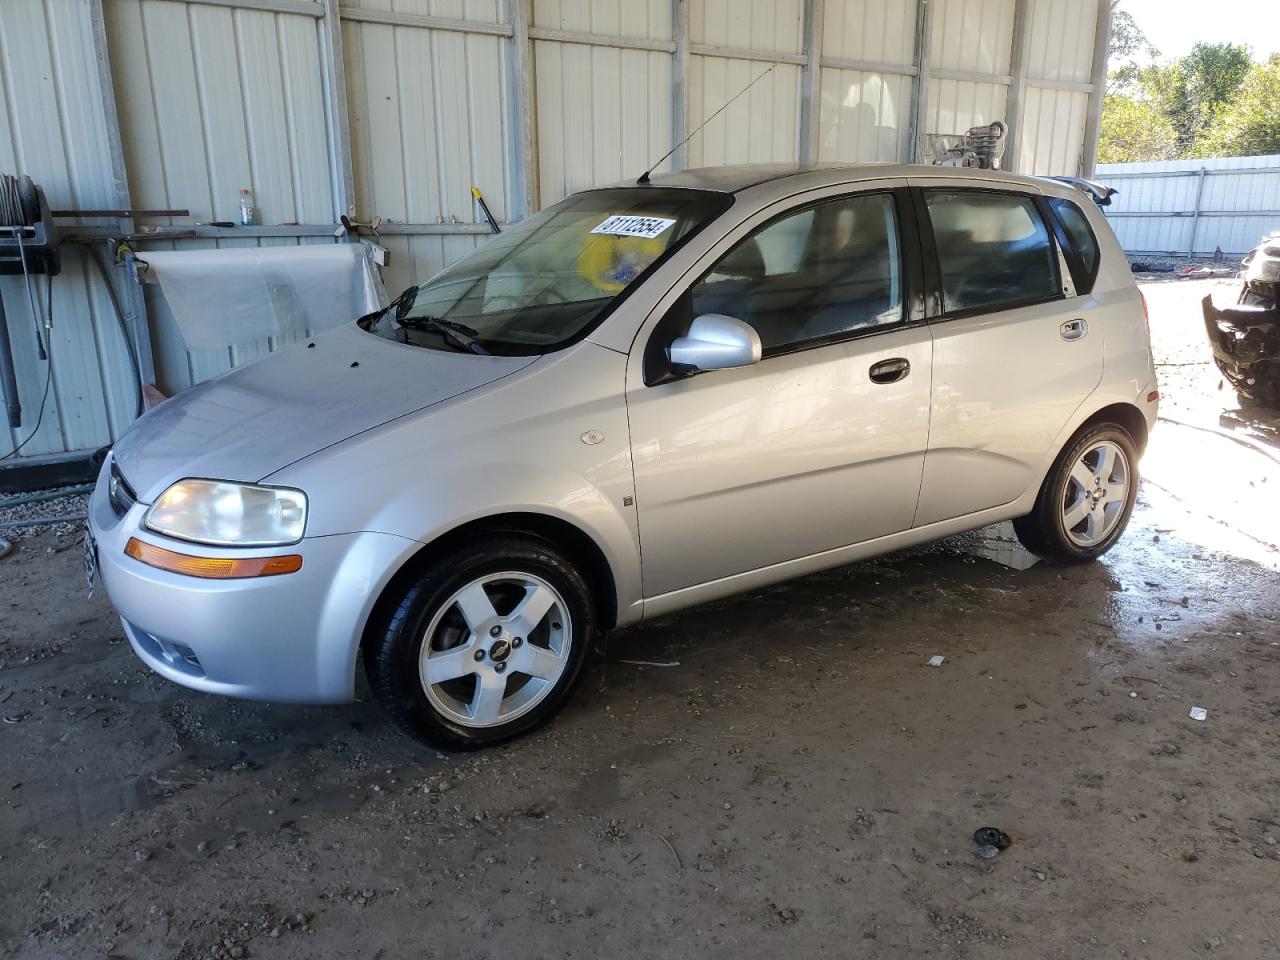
x=229, y=514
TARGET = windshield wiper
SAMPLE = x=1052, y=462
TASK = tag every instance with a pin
x=459, y=333
x=400, y=304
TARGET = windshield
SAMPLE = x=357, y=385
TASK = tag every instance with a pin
x=545, y=282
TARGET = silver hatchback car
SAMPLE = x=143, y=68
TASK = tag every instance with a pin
x=645, y=397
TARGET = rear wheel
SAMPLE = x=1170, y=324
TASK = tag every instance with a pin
x=485, y=645
x=1085, y=501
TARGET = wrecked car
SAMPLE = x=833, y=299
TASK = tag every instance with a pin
x=1245, y=336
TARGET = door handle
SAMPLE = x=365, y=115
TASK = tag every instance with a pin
x=1074, y=329
x=890, y=371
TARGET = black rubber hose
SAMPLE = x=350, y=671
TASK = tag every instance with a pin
x=92, y=254
x=48, y=383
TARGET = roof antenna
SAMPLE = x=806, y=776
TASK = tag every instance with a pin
x=644, y=177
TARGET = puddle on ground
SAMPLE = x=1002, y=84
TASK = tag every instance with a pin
x=1256, y=423
x=1224, y=494
x=997, y=543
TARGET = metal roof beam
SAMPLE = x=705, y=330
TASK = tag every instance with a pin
x=920, y=83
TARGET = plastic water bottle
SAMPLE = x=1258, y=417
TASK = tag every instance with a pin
x=248, y=215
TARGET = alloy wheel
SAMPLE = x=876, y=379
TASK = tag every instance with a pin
x=495, y=649
x=1096, y=495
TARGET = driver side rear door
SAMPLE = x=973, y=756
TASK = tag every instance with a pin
x=819, y=445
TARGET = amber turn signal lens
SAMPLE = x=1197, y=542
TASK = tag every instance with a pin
x=211, y=568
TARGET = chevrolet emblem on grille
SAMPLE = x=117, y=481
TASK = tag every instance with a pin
x=119, y=495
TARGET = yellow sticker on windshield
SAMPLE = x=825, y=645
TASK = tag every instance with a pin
x=627, y=226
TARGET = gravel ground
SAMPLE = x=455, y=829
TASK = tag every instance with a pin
x=791, y=779
x=1179, y=264
x=64, y=505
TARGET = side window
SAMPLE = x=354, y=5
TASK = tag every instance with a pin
x=1082, y=246
x=826, y=270
x=993, y=248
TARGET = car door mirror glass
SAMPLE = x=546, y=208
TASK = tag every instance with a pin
x=715, y=342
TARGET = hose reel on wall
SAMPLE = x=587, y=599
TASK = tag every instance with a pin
x=28, y=246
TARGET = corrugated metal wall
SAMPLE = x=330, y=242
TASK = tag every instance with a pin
x=762, y=126
x=973, y=36
x=427, y=117
x=603, y=111
x=55, y=131
x=212, y=99
x=1059, y=52
x=865, y=114
x=1237, y=199
x=428, y=120
x=402, y=105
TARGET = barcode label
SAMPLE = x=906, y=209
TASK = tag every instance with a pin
x=627, y=226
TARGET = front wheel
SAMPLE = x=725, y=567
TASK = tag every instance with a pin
x=484, y=645
x=1087, y=498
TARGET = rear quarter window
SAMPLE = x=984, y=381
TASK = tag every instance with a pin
x=994, y=250
x=1080, y=245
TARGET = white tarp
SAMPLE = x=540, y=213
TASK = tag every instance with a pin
x=222, y=297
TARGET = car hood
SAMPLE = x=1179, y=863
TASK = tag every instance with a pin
x=255, y=420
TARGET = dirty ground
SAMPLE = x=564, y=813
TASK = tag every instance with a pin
x=784, y=775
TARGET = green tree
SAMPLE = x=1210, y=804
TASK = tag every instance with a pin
x=1193, y=90
x=1134, y=129
x=1126, y=51
x=1250, y=124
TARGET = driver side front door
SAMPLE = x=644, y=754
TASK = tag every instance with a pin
x=819, y=445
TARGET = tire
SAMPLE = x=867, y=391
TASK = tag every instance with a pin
x=1101, y=517
x=1264, y=391
x=450, y=699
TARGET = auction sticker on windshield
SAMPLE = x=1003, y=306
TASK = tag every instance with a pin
x=628, y=226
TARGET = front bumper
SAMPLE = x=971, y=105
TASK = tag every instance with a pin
x=1245, y=340
x=290, y=638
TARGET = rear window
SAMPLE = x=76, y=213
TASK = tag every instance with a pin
x=1081, y=245
x=993, y=249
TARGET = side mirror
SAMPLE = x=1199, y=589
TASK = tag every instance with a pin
x=715, y=342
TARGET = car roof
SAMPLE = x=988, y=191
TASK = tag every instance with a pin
x=734, y=178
